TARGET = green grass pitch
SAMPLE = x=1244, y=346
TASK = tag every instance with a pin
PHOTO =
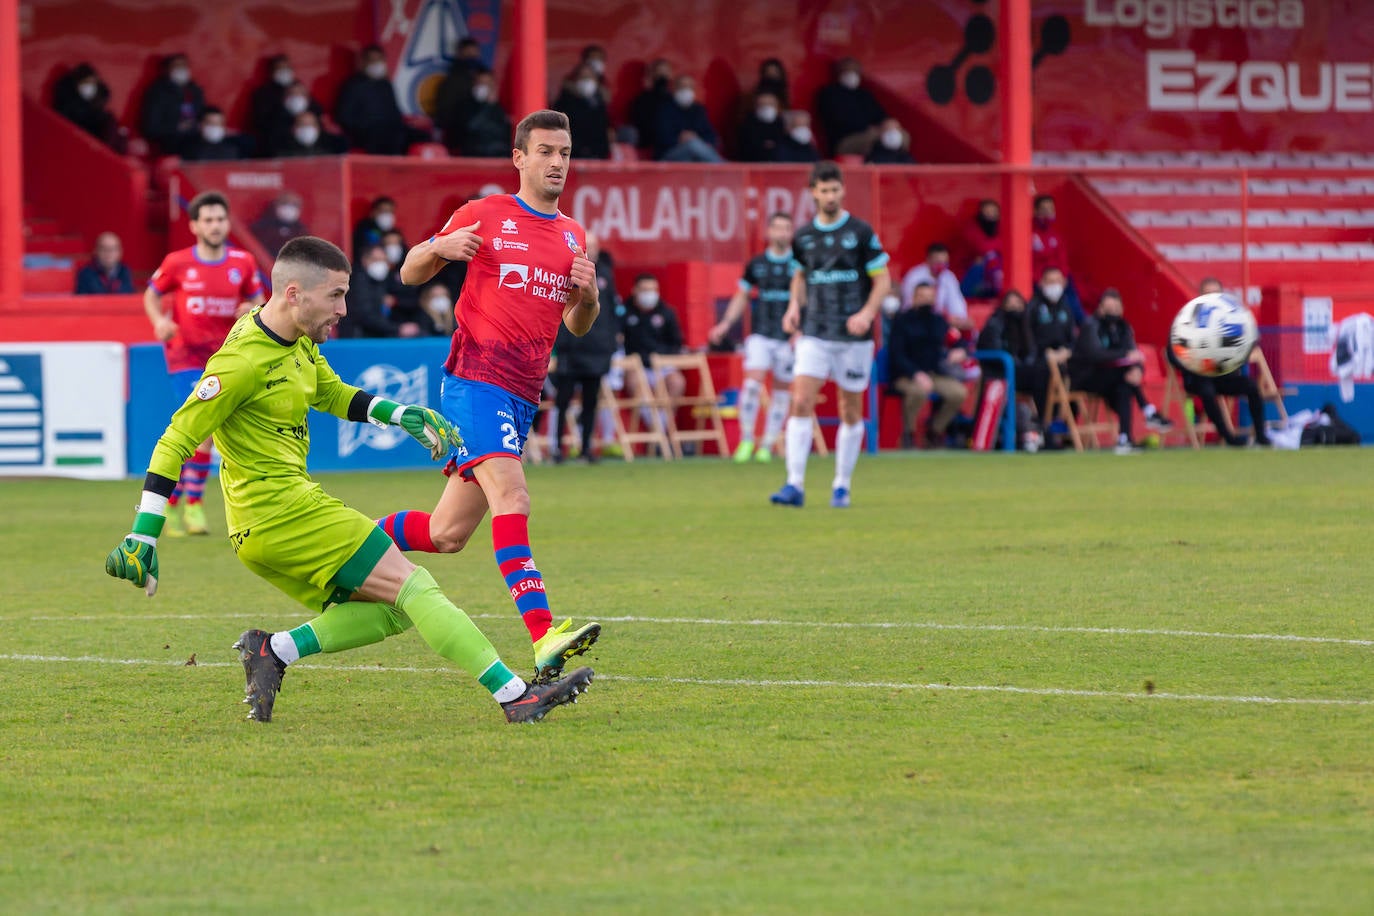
x=997, y=684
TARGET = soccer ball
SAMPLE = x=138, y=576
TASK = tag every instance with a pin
x=1213, y=334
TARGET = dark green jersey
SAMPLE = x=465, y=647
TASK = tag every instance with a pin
x=839, y=261
x=254, y=396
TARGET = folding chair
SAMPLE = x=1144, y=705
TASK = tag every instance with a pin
x=642, y=402
x=817, y=437
x=707, y=425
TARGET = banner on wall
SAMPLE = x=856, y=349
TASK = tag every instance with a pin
x=420, y=38
x=62, y=410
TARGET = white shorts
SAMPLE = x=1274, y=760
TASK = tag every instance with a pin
x=767, y=353
x=850, y=364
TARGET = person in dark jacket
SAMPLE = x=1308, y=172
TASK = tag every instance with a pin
x=1052, y=320
x=582, y=361
x=682, y=129
x=919, y=365
x=82, y=97
x=849, y=113
x=367, y=110
x=584, y=102
x=369, y=301
x=652, y=327
x=760, y=132
x=1008, y=329
x=106, y=273
x=480, y=126
x=1105, y=362
x=171, y=107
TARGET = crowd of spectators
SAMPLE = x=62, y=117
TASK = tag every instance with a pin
x=666, y=120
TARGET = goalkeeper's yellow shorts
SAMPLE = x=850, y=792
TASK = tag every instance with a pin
x=318, y=550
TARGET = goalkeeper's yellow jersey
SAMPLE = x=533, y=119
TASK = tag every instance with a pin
x=254, y=397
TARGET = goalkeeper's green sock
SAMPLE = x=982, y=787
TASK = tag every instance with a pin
x=453, y=635
x=342, y=627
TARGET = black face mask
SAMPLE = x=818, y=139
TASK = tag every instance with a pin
x=989, y=226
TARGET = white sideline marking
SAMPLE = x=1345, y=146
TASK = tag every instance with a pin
x=754, y=683
x=825, y=624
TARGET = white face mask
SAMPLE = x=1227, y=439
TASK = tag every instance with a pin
x=296, y=103
x=284, y=77
x=378, y=270
x=646, y=299
x=213, y=133
x=288, y=213
x=684, y=97
x=597, y=64
x=849, y=79
x=801, y=134
x=1053, y=291
x=306, y=136
x=437, y=304
x=87, y=90
x=386, y=220
x=481, y=92
x=891, y=305
x=180, y=75
x=892, y=139
x=376, y=70
x=394, y=253
x=766, y=113
x=586, y=88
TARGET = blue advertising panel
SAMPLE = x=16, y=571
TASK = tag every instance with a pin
x=405, y=371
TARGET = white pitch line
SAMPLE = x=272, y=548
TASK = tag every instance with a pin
x=753, y=683
x=824, y=624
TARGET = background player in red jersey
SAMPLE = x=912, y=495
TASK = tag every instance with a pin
x=527, y=273
x=193, y=300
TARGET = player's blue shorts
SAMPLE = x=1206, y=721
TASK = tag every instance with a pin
x=184, y=382
x=491, y=420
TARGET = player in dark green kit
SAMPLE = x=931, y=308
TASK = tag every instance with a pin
x=254, y=397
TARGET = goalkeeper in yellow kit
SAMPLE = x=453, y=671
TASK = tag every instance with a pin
x=254, y=397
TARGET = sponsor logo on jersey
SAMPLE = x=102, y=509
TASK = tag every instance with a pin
x=190, y=273
x=508, y=227
x=833, y=276
x=514, y=276
x=501, y=244
x=272, y=383
x=209, y=387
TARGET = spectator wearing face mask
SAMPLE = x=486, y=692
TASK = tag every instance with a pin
x=682, y=130
x=268, y=95
x=652, y=327
x=279, y=223
x=892, y=146
x=799, y=143
x=849, y=113
x=405, y=298
x=367, y=109
x=370, y=302
x=82, y=97
x=1053, y=322
x=296, y=100
x=106, y=273
x=438, y=301
x=934, y=270
x=309, y=139
x=380, y=219
x=773, y=80
x=761, y=131
x=657, y=91
x=172, y=104
x=583, y=101
x=480, y=127
x=214, y=143
x=1048, y=250
x=983, y=279
x=457, y=84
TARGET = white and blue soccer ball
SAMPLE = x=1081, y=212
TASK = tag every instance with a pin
x=1213, y=334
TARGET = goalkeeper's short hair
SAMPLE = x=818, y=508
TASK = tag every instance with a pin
x=310, y=255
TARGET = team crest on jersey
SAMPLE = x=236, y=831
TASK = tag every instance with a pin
x=235, y=275
x=849, y=240
x=571, y=240
x=209, y=387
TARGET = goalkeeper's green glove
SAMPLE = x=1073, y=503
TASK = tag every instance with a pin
x=428, y=427
x=135, y=558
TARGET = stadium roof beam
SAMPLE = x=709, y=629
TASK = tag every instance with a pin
x=11, y=160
